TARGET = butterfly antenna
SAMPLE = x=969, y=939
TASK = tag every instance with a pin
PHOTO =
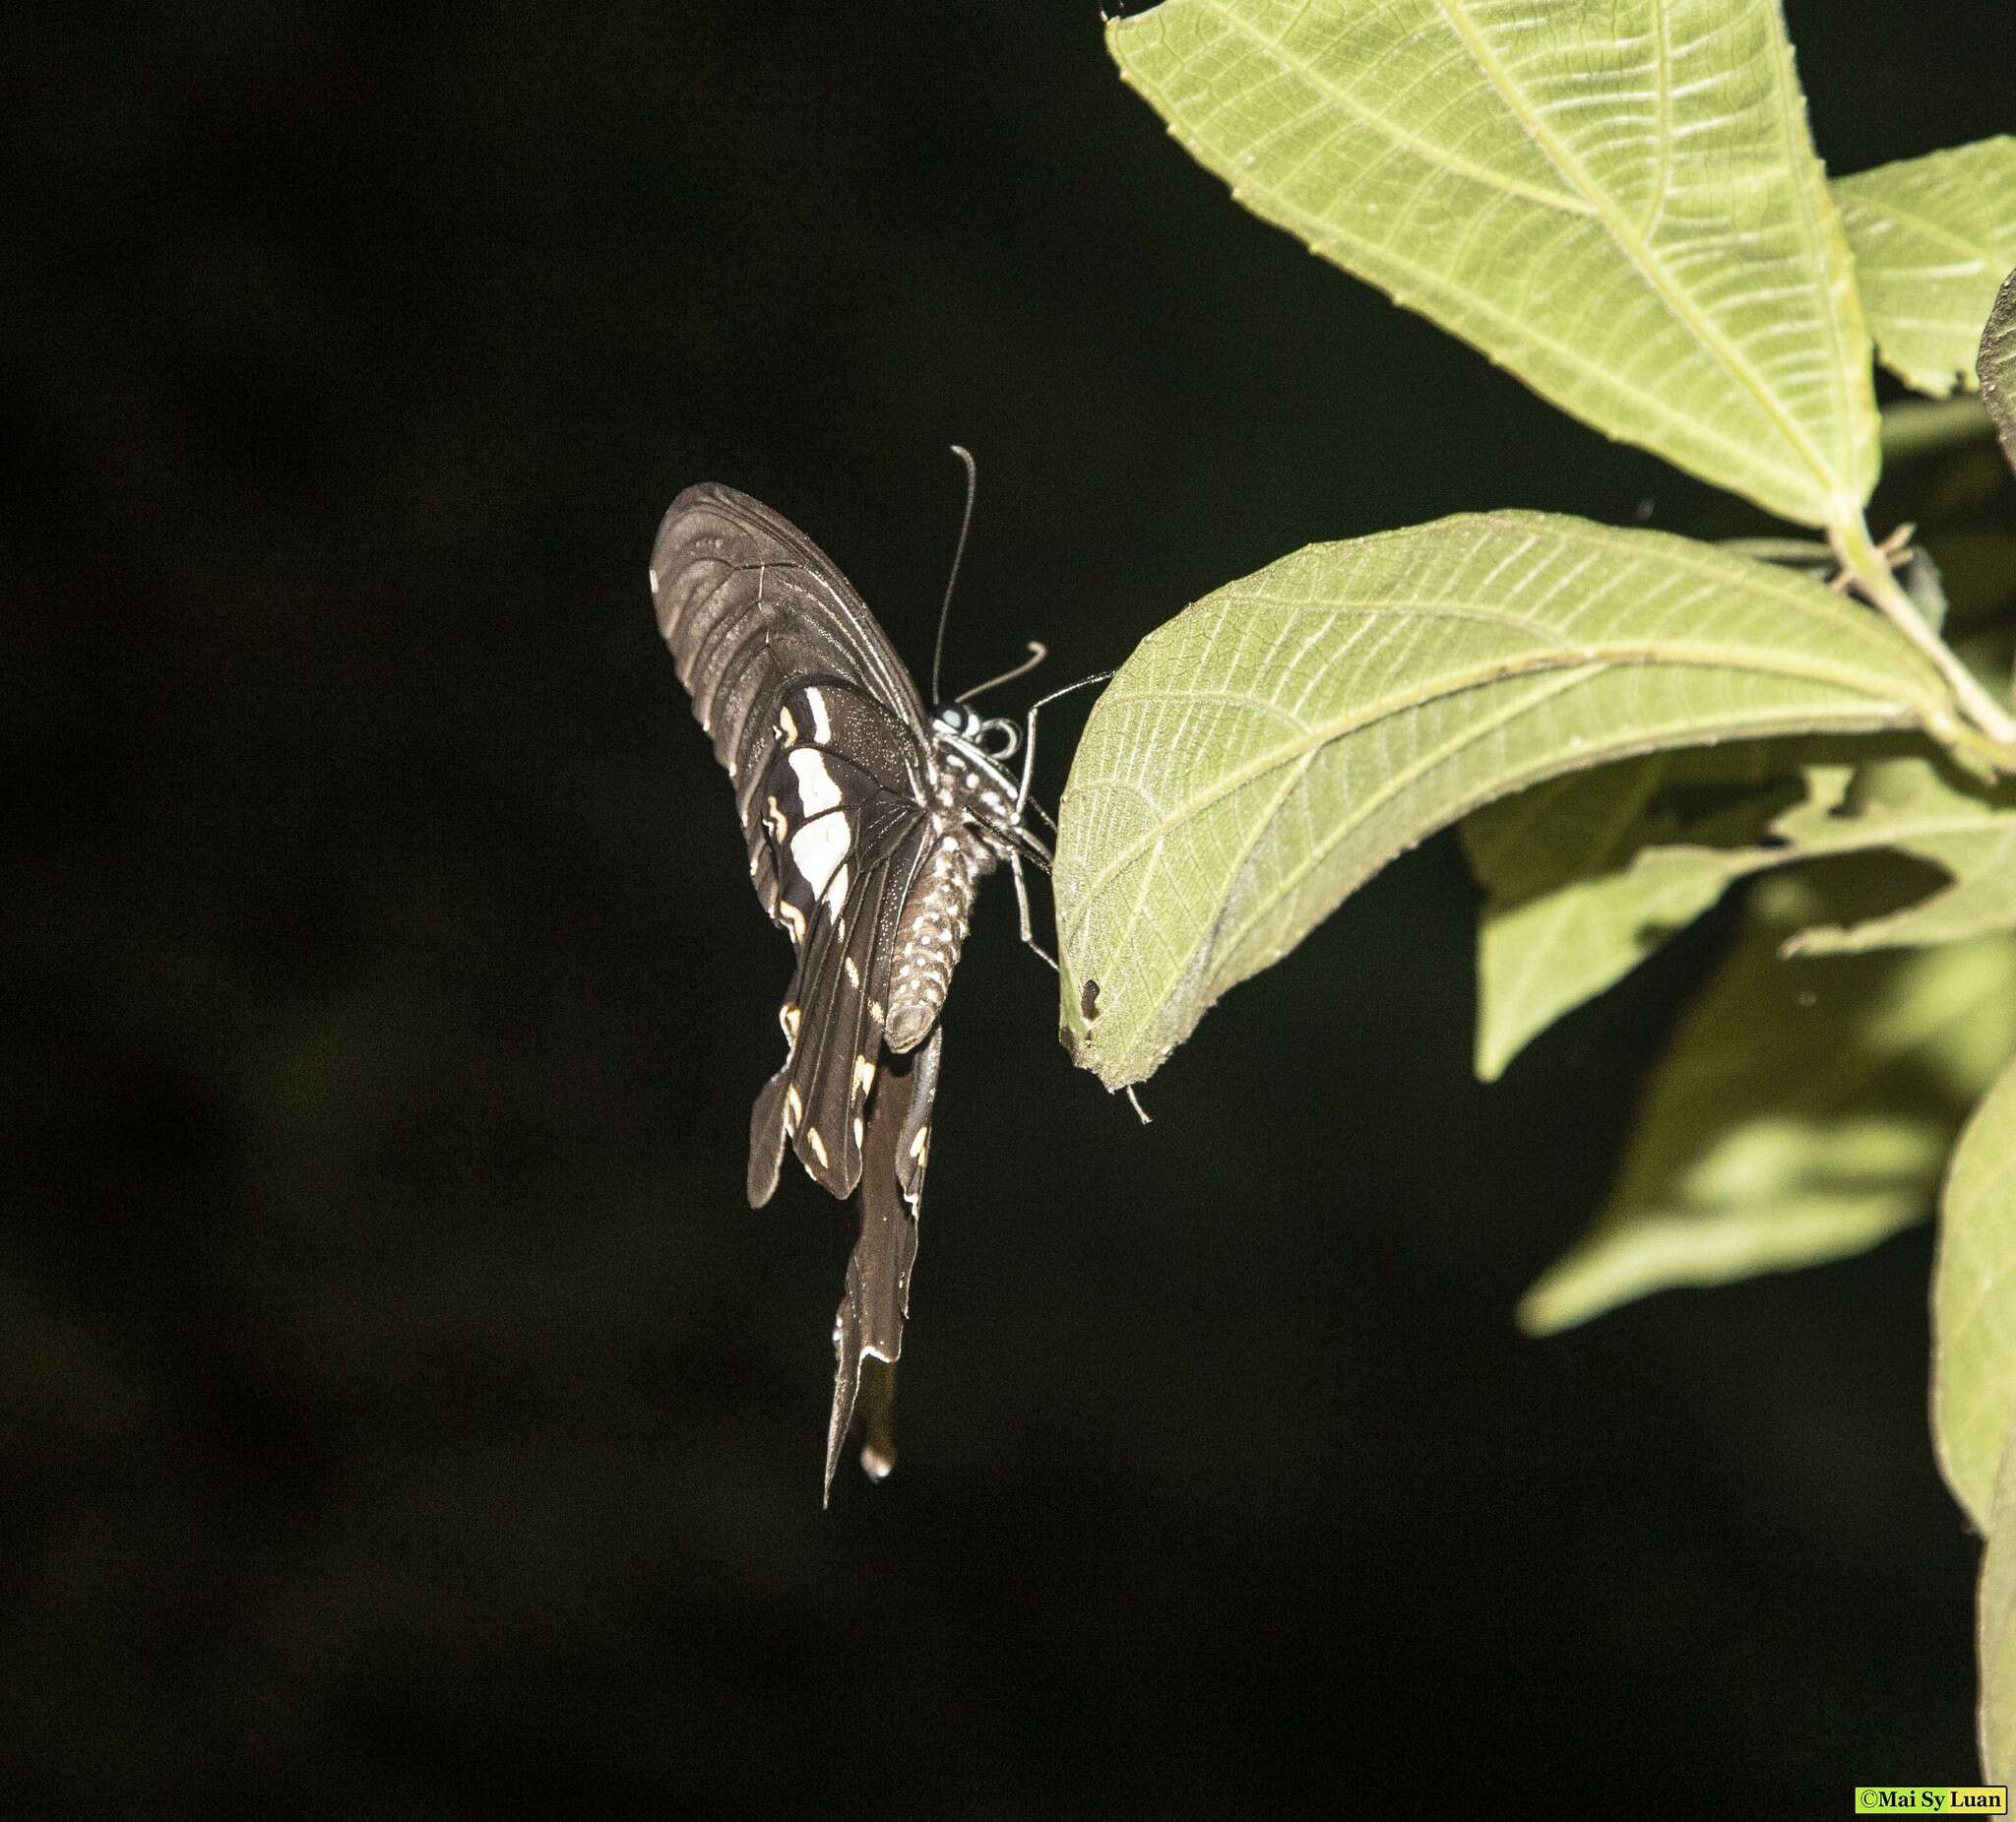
x=972, y=481
x=1038, y=652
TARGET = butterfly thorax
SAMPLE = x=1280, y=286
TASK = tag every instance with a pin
x=973, y=820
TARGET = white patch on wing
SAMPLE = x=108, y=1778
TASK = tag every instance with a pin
x=816, y=789
x=853, y=975
x=819, y=844
x=818, y=1146
x=822, y=724
x=786, y=729
x=819, y=852
x=793, y=1107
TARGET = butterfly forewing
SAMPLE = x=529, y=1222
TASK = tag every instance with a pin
x=730, y=578
x=832, y=1019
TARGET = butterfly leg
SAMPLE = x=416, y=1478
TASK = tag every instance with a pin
x=1016, y=873
x=1029, y=732
x=1021, y=807
x=1038, y=852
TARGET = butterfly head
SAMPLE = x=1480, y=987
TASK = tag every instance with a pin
x=997, y=738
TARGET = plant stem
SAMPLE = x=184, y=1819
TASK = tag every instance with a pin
x=1870, y=570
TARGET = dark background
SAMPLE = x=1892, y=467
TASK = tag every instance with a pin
x=403, y=1415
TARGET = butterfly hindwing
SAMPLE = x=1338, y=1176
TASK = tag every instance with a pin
x=832, y=1017
x=876, y=1303
x=821, y=799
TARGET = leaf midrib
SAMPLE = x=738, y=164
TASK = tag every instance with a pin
x=1654, y=270
x=1597, y=206
x=1335, y=727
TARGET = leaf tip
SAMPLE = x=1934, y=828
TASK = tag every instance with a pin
x=1490, y=1055
x=1550, y=1307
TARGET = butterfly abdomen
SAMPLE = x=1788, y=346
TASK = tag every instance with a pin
x=935, y=918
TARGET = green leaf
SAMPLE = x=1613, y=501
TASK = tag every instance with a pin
x=1810, y=556
x=1913, y=428
x=1996, y=1632
x=1932, y=238
x=1619, y=203
x=1931, y=811
x=1973, y=1304
x=1912, y=805
x=1995, y=365
x=1925, y=587
x=1566, y=913
x=1277, y=743
x=1802, y=1112
x=1916, y=569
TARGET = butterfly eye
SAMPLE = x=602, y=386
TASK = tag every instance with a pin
x=998, y=739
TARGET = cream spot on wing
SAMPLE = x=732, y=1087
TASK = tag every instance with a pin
x=818, y=1147
x=786, y=729
x=919, y=1146
x=876, y=1012
x=787, y=1017
x=794, y=919
x=865, y=1075
x=853, y=975
x=858, y=1132
x=822, y=724
x=774, y=818
x=793, y=1107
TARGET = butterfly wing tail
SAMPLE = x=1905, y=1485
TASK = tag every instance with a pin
x=869, y=1324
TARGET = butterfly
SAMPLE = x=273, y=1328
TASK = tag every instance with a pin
x=869, y=824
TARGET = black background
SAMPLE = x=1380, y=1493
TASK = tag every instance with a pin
x=403, y=1415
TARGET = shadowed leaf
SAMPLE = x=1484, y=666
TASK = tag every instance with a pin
x=1911, y=804
x=1566, y=914
x=1915, y=427
x=1995, y=1631
x=1973, y=1304
x=1802, y=1112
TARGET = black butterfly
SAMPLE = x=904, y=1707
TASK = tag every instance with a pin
x=870, y=825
